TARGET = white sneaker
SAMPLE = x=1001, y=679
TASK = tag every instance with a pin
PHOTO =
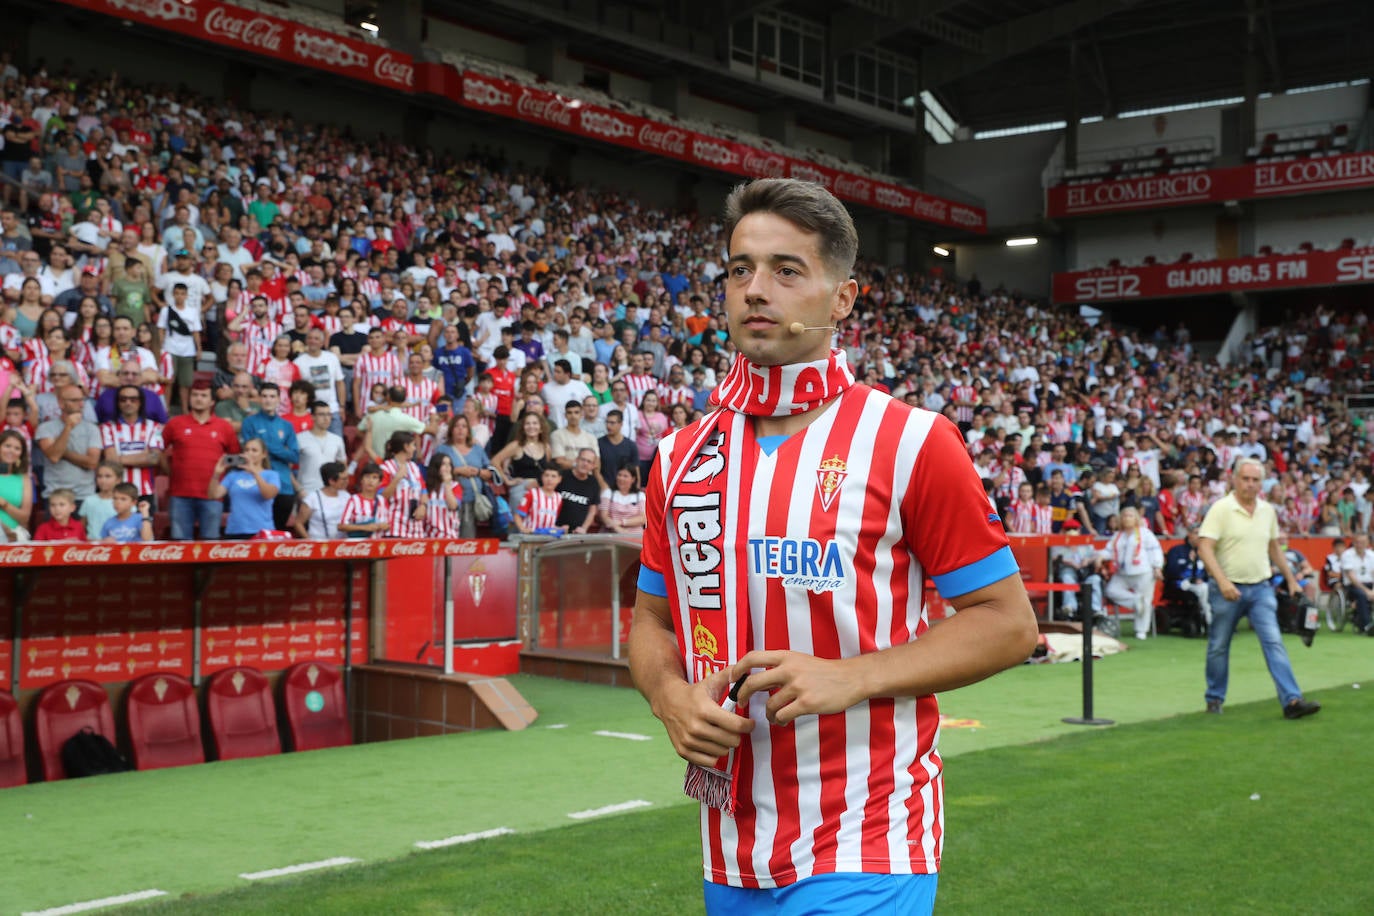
x=1142, y=635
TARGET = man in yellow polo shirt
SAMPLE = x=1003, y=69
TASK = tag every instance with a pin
x=1237, y=542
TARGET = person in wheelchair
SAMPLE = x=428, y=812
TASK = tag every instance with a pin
x=1185, y=576
x=1302, y=570
x=1080, y=565
x=1357, y=569
x=1332, y=580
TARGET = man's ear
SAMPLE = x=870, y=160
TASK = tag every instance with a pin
x=845, y=295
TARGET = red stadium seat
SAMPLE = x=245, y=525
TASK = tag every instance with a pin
x=243, y=718
x=164, y=722
x=64, y=709
x=316, y=708
x=12, y=769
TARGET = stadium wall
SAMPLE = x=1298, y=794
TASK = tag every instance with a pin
x=994, y=264
x=1324, y=221
x=1004, y=172
x=1347, y=103
x=450, y=36
x=1164, y=234
x=102, y=45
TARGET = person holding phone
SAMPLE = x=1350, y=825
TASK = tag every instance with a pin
x=251, y=485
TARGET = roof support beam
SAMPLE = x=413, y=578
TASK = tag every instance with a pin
x=1008, y=39
x=881, y=18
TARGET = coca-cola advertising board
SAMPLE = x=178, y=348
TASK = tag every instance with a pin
x=594, y=122
x=1285, y=271
x=107, y=626
x=1213, y=186
x=214, y=552
x=6, y=631
x=259, y=33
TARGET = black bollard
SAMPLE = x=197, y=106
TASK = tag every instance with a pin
x=1087, y=717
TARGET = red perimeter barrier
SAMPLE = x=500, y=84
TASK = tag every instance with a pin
x=110, y=613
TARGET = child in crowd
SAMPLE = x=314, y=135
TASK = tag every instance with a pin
x=538, y=511
x=367, y=513
x=60, y=525
x=97, y=509
x=130, y=523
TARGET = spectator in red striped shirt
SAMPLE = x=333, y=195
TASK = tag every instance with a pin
x=538, y=511
x=367, y=513
x=133, y=441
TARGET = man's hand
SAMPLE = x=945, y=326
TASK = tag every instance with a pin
x=701, y=731
x=1294, y=589
x=1229, y=590
x=800, y=684
x=71, y=420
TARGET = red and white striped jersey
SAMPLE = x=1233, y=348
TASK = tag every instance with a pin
x=964, y=413
x=669, y=396
x=359, y=510
x=422, y=394
x=10, y=338
x=540, y=509
x=1060, y=431
x=332, y=324
x=165, y=369
x=134, y=439
x=638, y=385
x=1012, y=478
x=392, y=325
x=836, y=532
x=370, y=287
x=1021, y=517
x=255, y=333
x=440, y=520
x=407, y=495
x=372, y=369
x=1193, y=506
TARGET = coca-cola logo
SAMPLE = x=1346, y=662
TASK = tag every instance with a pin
x=141, y=648
x=229, y=552
x=667, y=140
x=853, y=187
x=299, y=639
x=85, y=555
x=48, y=672
x=79, y=652
x=248, y=642
x=16, y=555
x=932, y=208
x=481, y=92
x=763, y=166
x=888, y=196
x=965, y=216
x=804, y=172
x=713, y=152
x=409, y=549
x=328, y=50
x=212, y=661
x=272, y=656
x=539, y=106
x=605, y=125
x=107, y=668
x=393, y=69
x=256, y=32
x=358, y=549
x=461, y=548
x=161, y=554
x=155, y=9
x=293, y=551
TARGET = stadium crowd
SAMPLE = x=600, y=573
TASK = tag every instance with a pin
x=206, y=307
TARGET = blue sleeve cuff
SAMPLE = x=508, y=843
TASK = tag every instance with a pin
x=992, y=568
x=652, y=583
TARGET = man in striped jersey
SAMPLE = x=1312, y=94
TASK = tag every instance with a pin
x=789, y=535
x=133, y=441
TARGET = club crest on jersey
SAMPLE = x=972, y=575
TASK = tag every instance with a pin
x=830, y=477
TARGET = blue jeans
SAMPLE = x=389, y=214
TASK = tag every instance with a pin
x=186, y=512
x=1261, y=604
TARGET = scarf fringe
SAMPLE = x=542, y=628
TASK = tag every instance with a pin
x=713, y=788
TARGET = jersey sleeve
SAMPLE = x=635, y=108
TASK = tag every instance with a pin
x=951, y=527
x=653, y=556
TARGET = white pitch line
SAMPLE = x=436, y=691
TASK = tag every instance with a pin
x=628, y=736
x=297, y=869
x=97, y=904
x=609, y=809
x=464, y=838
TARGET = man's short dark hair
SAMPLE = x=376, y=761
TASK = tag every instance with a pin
x=269, y=386
x=573, y=403
x=126, y=489
x=808, y=206
x=563, y=364
x=331, y=470
x=615, y=415
x=396, y=394
x=317, y=404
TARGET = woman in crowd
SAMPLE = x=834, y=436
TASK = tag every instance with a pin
x=527, y=390
x=279, y=368
x=403, y=486
x=601, y=383
x=146, y=337
x=444, y=510
x=470, y=468
x=16, y=486
x=80, y=324
x=525, y=457
x=476, y=415
x=96, y=349
x=29, y=309
x=622, y=508
x=653, y=426
x=250, y=486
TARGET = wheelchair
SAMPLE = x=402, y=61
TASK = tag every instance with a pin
x=1334, y=605
x=1179, y=610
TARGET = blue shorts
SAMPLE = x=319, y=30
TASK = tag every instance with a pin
x=841, y=894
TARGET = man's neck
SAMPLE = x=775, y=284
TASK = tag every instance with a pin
x=200, y=416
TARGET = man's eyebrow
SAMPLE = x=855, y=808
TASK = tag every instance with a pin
x=776, y=258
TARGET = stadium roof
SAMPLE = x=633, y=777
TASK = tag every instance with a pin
x=991, y=63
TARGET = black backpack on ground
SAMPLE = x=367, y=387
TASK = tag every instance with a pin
x=87, y=753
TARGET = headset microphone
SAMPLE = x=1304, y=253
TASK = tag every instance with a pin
x=797, y=327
